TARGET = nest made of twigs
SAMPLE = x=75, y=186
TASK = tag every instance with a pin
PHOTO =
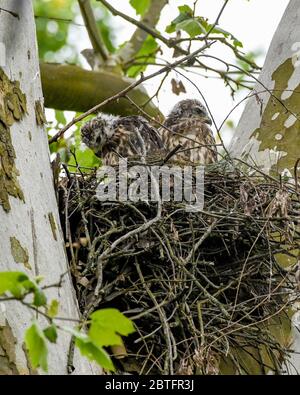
x=201, y=287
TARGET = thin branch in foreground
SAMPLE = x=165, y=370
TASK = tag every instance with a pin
x=129, y=88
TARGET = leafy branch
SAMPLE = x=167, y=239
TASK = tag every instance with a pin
x=105, y=327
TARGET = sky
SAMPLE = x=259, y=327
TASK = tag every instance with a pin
x=253, y=22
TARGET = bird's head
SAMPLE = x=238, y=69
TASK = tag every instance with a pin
x=190, y=108
x=97, y=132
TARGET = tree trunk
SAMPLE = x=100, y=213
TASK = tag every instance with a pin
x=268, y=134
x=30, y=235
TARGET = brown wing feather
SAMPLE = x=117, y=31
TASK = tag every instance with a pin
x=125, y=141
x=195, y=137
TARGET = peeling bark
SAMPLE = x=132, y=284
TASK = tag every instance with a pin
x=268, y=134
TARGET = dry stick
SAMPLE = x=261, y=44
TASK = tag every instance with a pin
x=253, y=323
x=128, y=89
x=201, y=240
x=136, y=231
x=163, y=319
x=182, y=264
x=157, y=90
x=244, y=267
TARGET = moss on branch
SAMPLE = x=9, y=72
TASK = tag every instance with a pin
x=67, y=87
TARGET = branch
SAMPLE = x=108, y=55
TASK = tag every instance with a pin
x=72, y=88
x=223, y=40
x=92, y=29
x=149, y=30
x=150, y=19
x=129, y=88
x=217, y=19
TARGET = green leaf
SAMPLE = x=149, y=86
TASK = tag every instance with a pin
x=145, y=55
x=53, y=308
x=91, y=350
x=38, y=279
x=40, y=298
x=60, y=117
x=107, y=325
x=185, y=9
x=191, y=26
x=185, y=12
x=51, y=333
x=86, y=158
x=13, y=282
x=36, y=344
x=237, y=43
x=140, y=6
x=94, y=353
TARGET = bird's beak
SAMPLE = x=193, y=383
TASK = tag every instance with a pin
x=208, y=121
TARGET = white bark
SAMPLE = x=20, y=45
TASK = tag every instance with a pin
x=268, y=134
x=272, y=137
x=28, y=221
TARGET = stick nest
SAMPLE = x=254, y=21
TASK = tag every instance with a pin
x=204, y=288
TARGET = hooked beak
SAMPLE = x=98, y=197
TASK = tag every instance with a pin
x=208, y=121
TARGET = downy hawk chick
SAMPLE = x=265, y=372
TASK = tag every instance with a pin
x=111, y=137
x=188, y=124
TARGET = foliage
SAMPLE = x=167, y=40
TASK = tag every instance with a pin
x=68, y=147
x=57, y=21
x=36, y=343
x=140, y=6
x=105, y=326
x=194, y=26
x=52, y=20
x=144, y=56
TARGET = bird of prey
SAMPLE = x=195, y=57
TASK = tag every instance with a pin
x=111, y=137
x=188, y=125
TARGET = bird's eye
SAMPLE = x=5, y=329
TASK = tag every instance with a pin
x=200, y=111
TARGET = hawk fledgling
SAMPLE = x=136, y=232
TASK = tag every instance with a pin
x=112, y=136
x=189, y=126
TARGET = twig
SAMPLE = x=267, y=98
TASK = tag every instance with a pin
x=126, y=90
x=143, y=26
x=150, y=18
